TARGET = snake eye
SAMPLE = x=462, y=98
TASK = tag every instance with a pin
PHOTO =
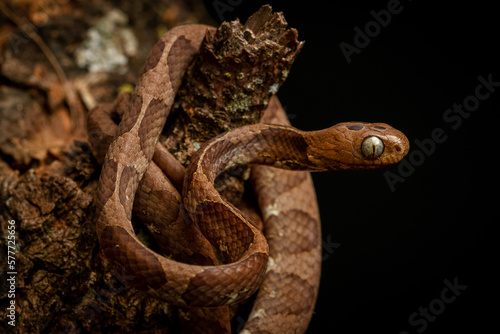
x=372, y=147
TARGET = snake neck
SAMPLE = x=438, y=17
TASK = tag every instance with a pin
x=262, y=144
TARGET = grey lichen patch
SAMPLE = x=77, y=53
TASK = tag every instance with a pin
x=273, y=89
x=240, y=103
x=255, y=84
x=108, y=44
x=258, y=81
x=284, y=74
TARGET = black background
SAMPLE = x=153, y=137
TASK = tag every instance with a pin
x=395, y=248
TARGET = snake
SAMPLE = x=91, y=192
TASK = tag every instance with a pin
x=234, y=259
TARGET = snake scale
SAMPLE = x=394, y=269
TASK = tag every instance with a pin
x=230, y=257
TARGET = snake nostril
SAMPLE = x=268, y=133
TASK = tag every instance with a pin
x=397, y=148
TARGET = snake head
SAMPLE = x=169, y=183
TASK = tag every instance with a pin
x=356, y=145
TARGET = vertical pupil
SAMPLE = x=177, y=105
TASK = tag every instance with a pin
x=372, y=147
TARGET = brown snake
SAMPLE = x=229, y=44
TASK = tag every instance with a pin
x=289, y=286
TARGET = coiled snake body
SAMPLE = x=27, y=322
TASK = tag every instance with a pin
x=287, y=201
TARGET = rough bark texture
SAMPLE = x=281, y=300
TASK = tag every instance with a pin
x=48, y=175
x=239, y=68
